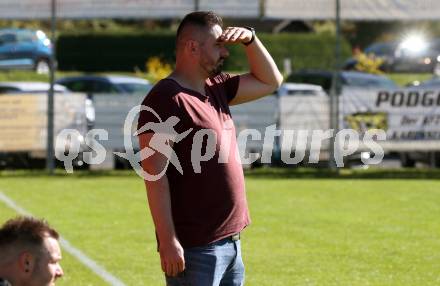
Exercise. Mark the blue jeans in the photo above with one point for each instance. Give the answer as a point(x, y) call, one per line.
point(216, 264)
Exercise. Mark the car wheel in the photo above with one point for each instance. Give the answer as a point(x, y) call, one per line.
point(407, 161)
point(42, 66)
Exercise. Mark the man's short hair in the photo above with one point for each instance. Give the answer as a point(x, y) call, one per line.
point(25, 230)
point(201, 19)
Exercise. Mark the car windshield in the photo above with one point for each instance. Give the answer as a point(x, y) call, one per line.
point(134, 87)
point(372, 82)
point(317, 79)
point(303, 92)
point(381, 49)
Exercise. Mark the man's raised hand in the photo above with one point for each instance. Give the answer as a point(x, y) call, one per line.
point(235, 35)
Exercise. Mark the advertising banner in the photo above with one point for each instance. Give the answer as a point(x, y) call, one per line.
point(23, 119)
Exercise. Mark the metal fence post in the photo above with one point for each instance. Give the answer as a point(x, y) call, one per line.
point(334, 93)
point(50, 154)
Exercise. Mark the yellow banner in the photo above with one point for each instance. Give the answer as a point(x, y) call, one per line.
point(23, 119)
point(22, 122)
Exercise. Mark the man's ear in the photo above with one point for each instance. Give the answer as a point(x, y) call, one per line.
point(26, 263)
point(193, 47)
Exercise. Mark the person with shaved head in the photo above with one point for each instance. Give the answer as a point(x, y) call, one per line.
point(29, 253)
point(200, 209)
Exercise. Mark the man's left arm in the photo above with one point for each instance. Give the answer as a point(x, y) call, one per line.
point(264, 77)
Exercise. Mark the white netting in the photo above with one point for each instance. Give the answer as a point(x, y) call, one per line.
point(82, 9)
point(354, 9)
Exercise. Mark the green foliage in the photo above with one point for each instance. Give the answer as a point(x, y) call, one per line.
point(112, 52)
point(403, 79)
point(85, 26)
point(305, 51)
point(19, 75)
point(130, 51)
point(31, 24)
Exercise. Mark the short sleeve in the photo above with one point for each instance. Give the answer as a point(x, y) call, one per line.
point(230, 84)
point(158, 107)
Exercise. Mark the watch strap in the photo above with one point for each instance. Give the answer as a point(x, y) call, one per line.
point(253, 35)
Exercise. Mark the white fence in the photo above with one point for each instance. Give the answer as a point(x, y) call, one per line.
point(141, 9)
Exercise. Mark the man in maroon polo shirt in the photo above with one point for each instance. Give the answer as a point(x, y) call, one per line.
point(199, 204)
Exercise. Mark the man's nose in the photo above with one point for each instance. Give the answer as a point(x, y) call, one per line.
point(60, 271)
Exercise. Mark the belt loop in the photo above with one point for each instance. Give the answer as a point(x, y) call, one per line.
point(235, 237)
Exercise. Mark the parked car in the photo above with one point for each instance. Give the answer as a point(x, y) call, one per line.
point(303, 89)
point(83, 118)
point(25, 49)
point(385, 51)
point(41, 88)
point(92, 84)
point(347, 78)
point(424, 57)
point(406, 56)
point(29, 87)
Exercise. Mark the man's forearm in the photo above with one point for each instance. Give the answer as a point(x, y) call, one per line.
point(262, 66)
point(160, 206)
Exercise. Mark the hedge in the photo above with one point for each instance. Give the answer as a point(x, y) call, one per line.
point(112, 52)
point(125, 52)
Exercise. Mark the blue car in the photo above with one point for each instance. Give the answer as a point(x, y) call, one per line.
point(25, 49)
point(347, 78)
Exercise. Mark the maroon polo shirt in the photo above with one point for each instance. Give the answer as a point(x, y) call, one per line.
point(209, 205)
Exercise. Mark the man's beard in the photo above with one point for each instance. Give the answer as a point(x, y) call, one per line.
point(217, 69)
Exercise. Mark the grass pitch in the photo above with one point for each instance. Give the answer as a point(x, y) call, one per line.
point(305, 230)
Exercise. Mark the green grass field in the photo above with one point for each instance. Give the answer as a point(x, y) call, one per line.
point(305, 230)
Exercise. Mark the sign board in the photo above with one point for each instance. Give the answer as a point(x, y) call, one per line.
point(23, 119)
point(410, 118)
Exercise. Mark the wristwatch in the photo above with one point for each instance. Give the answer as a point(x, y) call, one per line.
point(253, 35)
